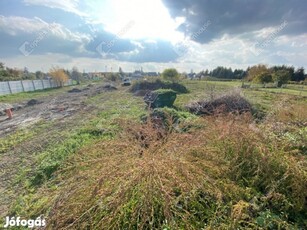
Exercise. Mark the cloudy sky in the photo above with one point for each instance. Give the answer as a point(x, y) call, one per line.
point(152, 34)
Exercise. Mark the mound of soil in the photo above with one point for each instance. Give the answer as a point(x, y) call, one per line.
point(33, 102)
point(109, 87)
point(74, 90)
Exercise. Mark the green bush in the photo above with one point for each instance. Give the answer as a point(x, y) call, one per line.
point(146, 86)
point(160, 98)
point(170, 75)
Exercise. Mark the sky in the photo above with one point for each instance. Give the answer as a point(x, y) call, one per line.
point(152, 34)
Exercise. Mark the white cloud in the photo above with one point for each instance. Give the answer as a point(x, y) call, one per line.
point(66, 5)
point(235, 52)
point(151, 19)
point(15, 26)
point(44, 63)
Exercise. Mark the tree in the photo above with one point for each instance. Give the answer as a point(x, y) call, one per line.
point(222, 72)
point(290, 69)
point(299, 75)
point(170, 75)
point(58, 75)
point(263, 77)
point(39, 74)
point(76, 75)
point(239, 73)
point(281, 77)
point(255, 72)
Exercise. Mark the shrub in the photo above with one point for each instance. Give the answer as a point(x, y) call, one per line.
point(59, 76)
point(170, 75)
point(112, 77)
point(160, 98)
point(264, 77)
point(140, 88)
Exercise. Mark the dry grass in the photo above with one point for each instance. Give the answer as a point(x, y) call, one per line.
point(224, 173)
point(131, 184)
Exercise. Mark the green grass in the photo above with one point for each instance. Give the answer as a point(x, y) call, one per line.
point(296, 92)
point(21, 136)
point(18, 97)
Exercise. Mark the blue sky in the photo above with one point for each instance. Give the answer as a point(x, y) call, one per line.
point(152, 34)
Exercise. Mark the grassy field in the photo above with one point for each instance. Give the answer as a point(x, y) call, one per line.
point(106, 169)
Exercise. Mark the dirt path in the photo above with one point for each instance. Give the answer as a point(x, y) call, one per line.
point(65, 110)
point(61, 106)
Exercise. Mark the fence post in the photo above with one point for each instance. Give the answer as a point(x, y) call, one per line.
point(33, 85)
point(23, 88)
point(8, 83)
point(43, 83)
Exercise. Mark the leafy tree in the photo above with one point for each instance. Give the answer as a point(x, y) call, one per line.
point(256, 71)
point(290, 69)
point(299, 75)
point(1, 66)
point(58, 75)
point(76, 75)
point(170, 75)
point(39, 74)
point(222, 72)
point(9, 74)
point(263, 77)
point(281, 77)
point(239, 74)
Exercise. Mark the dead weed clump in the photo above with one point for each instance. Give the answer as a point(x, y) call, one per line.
point(229, 103)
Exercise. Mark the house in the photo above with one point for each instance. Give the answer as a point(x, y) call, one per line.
point(191, 76)
point(95, 75)
point(138, 74)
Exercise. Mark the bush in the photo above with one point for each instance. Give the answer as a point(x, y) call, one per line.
point(160, 98)
point(264, 77)
point(140, 88)
point(59, 76)
point(112, 77)
point(170, 75)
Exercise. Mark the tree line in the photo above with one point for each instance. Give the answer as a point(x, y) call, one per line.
point(58, 74)
point(258, 73)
